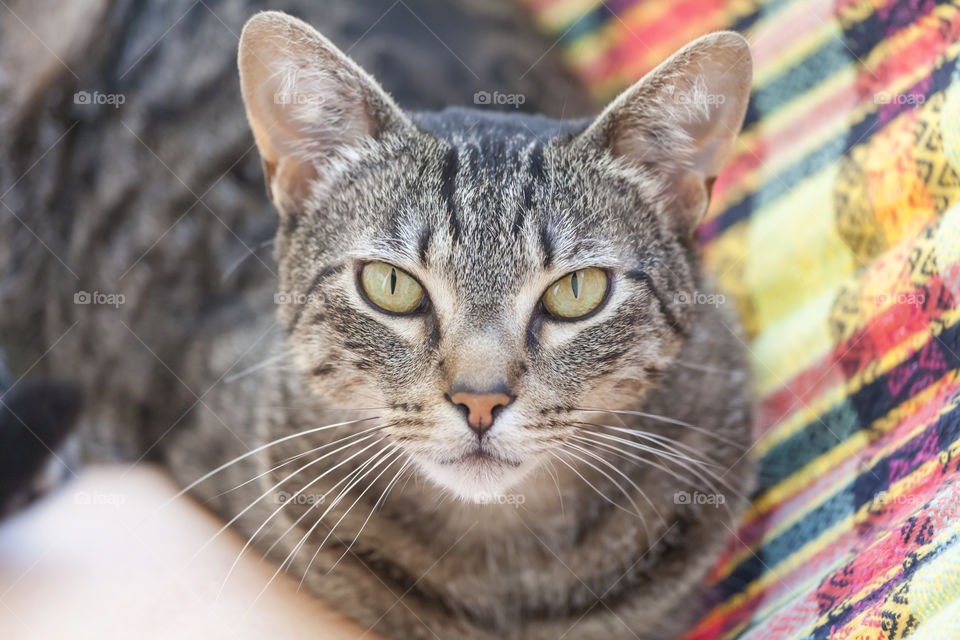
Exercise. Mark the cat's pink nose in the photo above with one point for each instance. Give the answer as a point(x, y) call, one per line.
point(481, 408)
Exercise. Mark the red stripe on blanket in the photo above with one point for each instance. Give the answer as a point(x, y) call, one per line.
point(882, 333)
point(641, 45)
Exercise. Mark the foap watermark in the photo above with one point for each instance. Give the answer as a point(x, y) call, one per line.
point(286, 297)
point(96, 498)
point(699, 298)
point(911, 298)
point(700, 99)
point(884, 97)
point(699, 498)
point(307, 499)
point(96, 97)
point(287, 93)
point(496, 98)
point(513, 499)
point(697, 95)
point(882, 498)
point(285, 98)
point(99, 298)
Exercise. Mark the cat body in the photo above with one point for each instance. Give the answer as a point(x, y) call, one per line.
point(530, 561)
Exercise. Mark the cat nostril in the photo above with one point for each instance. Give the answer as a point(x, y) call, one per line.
point(481, 408)
point(462, 407)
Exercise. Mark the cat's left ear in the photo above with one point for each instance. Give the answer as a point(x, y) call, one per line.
point(309, 105)
point(681, 119)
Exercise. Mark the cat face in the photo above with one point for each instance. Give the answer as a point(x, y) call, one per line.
point(482, 279)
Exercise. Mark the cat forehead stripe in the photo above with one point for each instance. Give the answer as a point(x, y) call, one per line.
point(493, 163)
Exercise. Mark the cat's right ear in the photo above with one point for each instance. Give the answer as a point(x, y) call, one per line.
point(308, 104)
point(679, 122)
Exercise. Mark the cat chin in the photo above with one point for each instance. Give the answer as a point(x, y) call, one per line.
point(479, 482)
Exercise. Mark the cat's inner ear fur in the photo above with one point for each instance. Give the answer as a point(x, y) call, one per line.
point(308, 104)
point(680, 121)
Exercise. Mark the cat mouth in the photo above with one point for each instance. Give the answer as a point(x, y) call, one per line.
point(481, 456)
point(477, 473)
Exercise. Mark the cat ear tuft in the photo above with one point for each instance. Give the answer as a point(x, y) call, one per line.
point(308, 104)
point(681, 120)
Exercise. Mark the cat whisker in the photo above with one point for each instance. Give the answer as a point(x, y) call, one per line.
point(668, 420)
point(277, 485)
point(598, 492)
point(380, 457)
point(297, 457)
point(634, 457)
point(656, 450)
point(257, 367)
point(346, 480)
point(672, 444)
point(677, 459)
point(376, 506)
point(629, 480)
point(705, 368)
point(252, 452)
point(658, 439)
point(626, 455)
point(345, 513)
point(246, 254)
point(699, 466)
point(346, 490)
point(552, 472)
point(353, 473)
point(288, 501)
point(650, 434)
point(407, 481)
point(662, 441)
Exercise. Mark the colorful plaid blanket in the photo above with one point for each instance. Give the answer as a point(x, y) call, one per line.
point(836, 229)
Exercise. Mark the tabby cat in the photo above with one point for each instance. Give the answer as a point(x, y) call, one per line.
point(481, 398)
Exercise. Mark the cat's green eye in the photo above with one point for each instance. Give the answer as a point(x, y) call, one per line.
point(577, 293)
point(390, 288)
